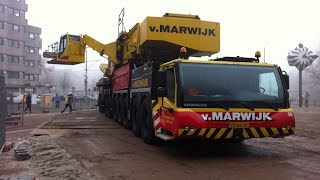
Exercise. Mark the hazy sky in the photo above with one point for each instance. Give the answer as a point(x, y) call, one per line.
point(246, 25)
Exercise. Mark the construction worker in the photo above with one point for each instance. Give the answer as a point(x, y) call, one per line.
point(306, 99)
point(183, 53)
point(57, 99)
point(28, 102)
point(68, 103)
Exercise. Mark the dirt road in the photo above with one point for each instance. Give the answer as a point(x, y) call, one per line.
point(107, 151)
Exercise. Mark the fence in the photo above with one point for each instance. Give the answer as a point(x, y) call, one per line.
point(78, 104)
point(3, 111)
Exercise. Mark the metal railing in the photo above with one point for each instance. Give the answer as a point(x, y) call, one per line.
point(3, 111)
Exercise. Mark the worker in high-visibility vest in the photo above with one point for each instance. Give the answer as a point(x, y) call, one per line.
point(68, 103)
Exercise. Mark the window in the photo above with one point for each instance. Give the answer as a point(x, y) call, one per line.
point(31, 77)
point(14, 27)
point(1, 25)
point(257, 86)
point(10, 11)
point(30, 49)
point(13, 12)
point(268, 84)
point(74, 38)
point(13, 43)
point(13, 75)
point(170, 85)
point(16, 12)
point(1, 8)
point(62, 44)
point(31, 36)
point(1, 57)
point(30, 63)
point(1, 40)
point(13, 59)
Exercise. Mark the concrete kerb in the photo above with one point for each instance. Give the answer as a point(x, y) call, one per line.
point(315, 110)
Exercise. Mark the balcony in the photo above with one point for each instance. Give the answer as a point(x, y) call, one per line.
point(11, 50)
point(15, 35)
point(32, 70)
point(34, 56)
point(18, 20)
point(14, 82)
point(21, 5)
point(33, 29)
point(33, 42)
point(14, 67)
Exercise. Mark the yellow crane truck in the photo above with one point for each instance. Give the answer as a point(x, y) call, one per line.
point(150, 88)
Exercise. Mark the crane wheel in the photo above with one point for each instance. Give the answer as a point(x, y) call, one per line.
point(101, 109)
point(107, 107)
point(120, 110)
point(107, 110)
point(146, 123)
point(135, 116)
point(114, 109)
point(126, 121)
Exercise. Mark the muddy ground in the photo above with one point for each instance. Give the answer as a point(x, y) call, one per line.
point(88, 146)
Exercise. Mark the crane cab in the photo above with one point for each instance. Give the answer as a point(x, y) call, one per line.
point(69, 50)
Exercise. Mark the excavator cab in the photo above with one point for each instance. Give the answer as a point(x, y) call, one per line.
point(69, 50)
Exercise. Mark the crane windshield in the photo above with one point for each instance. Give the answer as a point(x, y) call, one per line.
point(62, 43)
point(67, 39)
point(231, 86)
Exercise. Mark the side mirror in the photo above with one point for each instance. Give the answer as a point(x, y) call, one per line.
point(286, 79)
point(161, 79)
point(162, 92)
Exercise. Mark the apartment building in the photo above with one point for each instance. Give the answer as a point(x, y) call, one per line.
point(19, 47)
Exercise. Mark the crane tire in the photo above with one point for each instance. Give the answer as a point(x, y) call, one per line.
point(126, 121)
point(135, 116)
point(115, 109)
point(147, 128)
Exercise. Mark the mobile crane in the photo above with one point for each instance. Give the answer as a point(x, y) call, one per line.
point(148, 88)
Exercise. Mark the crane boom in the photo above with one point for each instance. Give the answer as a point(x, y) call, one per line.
point(154, 39)
point(103, 49)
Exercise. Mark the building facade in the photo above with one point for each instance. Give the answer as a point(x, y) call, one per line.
point(20, 46)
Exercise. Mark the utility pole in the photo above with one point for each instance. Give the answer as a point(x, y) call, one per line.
point(86, 73)
point(86, 77)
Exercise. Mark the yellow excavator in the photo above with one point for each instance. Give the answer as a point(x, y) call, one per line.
point(154, 87)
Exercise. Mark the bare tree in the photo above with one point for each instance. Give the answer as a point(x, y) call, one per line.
point(314, 73)
point(64, 80)
point(312, 81)
point(46, 73)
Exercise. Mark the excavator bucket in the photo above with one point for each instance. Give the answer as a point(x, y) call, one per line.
point(69, 51)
